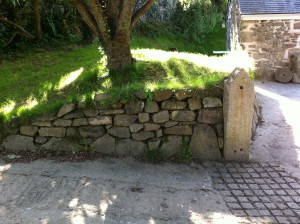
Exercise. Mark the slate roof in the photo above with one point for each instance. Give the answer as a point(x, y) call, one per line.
point(254, 7)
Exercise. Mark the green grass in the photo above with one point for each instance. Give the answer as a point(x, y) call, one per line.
point(212, 42)
point(40, 82)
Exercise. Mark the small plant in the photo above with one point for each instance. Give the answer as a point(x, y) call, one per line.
point(185, 153)
point(149, 95)
point(89, 101)
point(154, 156)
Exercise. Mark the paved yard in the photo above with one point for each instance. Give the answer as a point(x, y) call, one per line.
point(266, 190)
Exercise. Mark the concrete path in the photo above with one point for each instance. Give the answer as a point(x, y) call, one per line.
point(109, 191)
point(267, 190)
point(278, 138)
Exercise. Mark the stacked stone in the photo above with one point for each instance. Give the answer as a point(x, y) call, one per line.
point(271, 43)
point(131, 128)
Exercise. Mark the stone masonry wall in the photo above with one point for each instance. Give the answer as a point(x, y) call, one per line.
point(271, 43)
point(166, 122)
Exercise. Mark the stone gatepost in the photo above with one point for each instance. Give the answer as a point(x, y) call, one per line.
point(295, 67)
point(238, 114)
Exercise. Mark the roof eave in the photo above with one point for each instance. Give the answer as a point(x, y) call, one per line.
point(270, 16)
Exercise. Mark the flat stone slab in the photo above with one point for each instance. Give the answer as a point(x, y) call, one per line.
point(91, 131)
point(162, 95)
point(62, 123)
point(100, 120)
point(53, 132)
point(179, 130)
point(129, 147)
point(144, 135)
point(61, 144)
point(134, 107)
point(67, 108)
point(125, 120)
point(184, 115)
point(171, 105)
point(105, 144)
point(18, 142)
point(211, 116)
point(120, 132)
point(171, 146)
point(161, 117)
point(204, 143)
point(151, 107)
point(209, 102)
point(28, 130)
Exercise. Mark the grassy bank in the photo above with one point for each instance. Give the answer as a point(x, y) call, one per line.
point(40, 82)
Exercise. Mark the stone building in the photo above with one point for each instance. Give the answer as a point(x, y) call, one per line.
point(269, 30)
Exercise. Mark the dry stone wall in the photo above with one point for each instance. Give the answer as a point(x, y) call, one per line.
point(271, 43)
point(166, 122)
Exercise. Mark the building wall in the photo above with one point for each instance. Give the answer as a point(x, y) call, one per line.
point(271, 43)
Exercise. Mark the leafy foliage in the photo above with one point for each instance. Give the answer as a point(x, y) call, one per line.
point(195, 19)
point(59, 21)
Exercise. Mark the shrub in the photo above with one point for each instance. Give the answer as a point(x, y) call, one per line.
point(196, 18)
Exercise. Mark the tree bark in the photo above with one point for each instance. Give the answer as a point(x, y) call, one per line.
point(112, 21)
point(22, 32)
point(86, 15)
point(118, 53)
point(37, 19)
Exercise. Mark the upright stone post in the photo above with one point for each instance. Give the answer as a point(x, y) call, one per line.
point(238, 111)
point(295, 67)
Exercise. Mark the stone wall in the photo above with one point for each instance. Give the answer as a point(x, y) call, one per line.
point(168, 121)
point(271, 43)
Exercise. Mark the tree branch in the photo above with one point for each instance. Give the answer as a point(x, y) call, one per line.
point(10, 40)
point(124, 22)
point(98, 14)
point(86, 15)
point(140, 12)
point(22, 32)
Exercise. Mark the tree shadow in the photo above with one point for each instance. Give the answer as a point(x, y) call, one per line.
point(109, 191)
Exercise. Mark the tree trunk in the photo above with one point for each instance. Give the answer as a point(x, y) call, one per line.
point(37, 20)
point(118, 53)
point(112, 22)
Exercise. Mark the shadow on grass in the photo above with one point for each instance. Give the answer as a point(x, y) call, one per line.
point(42, 82)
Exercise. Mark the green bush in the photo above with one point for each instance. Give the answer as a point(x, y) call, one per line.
point(59, 21)
point(149, 29)
point(196, 18)
point(189, 20)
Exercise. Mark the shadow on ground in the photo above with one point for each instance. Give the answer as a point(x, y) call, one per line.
point(109, 191)
point(278, 137)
